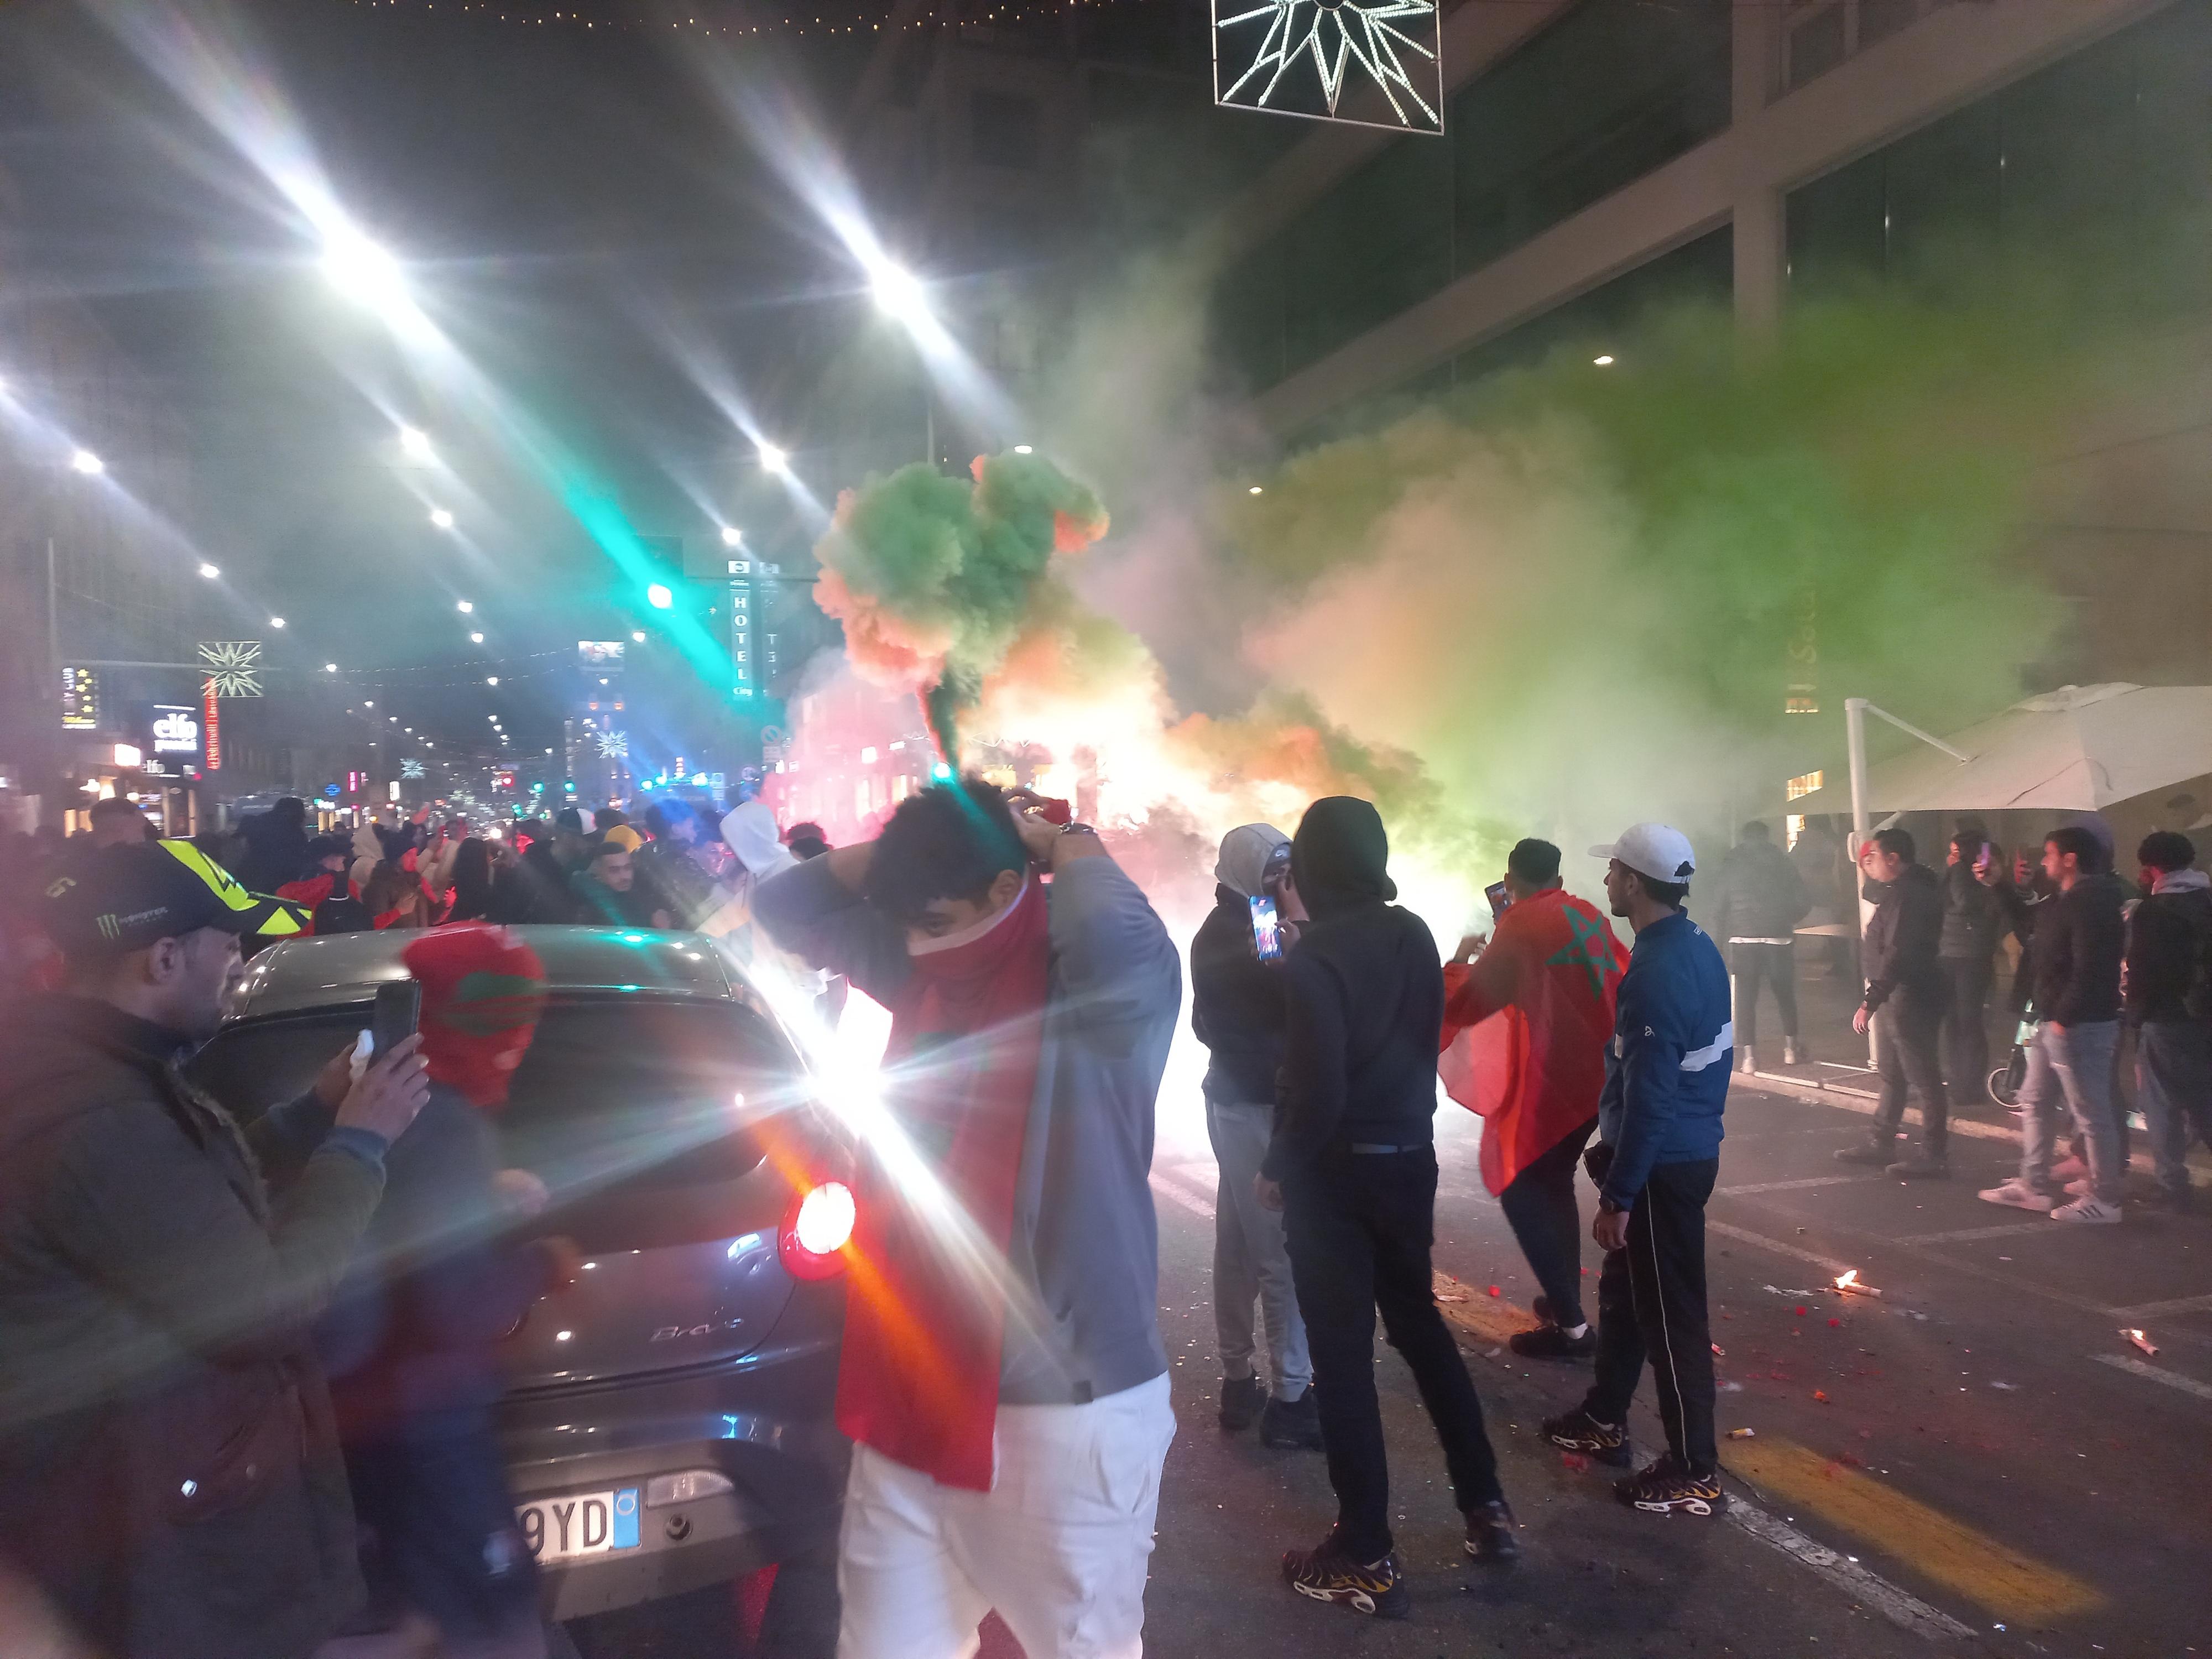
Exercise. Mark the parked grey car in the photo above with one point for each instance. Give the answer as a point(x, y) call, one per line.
point(667, 1422)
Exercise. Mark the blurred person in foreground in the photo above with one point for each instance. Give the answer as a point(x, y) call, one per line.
point(1527, 1018)
point(409, 1343)
point(1759, 901)
point(1007, 1387)
point(2080, 942)
point(1352, 1166)
point(1904, 985)
point(2168, 982)
point(1236, 1010)
point(1657, 1156)
point(168, 1471)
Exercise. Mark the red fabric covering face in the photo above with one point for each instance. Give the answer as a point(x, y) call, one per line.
point(481, 995)
point(1526, 1026)
point(919, 1380)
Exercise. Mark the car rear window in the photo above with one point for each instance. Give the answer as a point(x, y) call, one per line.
point(615, 1091)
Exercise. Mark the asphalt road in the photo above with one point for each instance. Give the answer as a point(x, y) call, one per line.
point(1974, 1461)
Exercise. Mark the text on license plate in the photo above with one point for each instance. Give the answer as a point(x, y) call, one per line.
point(583, 1523)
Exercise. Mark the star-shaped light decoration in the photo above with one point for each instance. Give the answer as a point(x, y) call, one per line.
point(614, 745)
point(1291, 57)
point(410, 768)
point(233, 667)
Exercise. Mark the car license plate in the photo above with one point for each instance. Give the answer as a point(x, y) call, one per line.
point(582, 1523)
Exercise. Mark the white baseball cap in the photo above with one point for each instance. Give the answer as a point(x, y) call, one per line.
point(1655, 850)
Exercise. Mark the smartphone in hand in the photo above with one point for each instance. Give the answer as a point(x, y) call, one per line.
point(1266, 930)
point(1500, 900)
point(398, 1013)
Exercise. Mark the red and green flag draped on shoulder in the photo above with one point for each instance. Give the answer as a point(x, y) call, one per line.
point(1526, 1025)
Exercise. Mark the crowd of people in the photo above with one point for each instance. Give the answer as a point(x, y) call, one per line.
point(209, 1324)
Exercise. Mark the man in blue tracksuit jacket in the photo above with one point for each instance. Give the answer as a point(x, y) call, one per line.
point(1659, 1126)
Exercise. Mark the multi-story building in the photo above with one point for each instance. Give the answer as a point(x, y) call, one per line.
point(1601, 155)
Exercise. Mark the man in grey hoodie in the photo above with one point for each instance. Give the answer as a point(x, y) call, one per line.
point(1031, 1491)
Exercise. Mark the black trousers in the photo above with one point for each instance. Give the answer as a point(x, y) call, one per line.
point(1651, 1306)
point(1768, 965)
point(1359, 1228)
point(1905, 1036)
point(1540, 1206)
point(1966, 1028)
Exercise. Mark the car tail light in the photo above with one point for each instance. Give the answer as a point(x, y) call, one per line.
point(816, 1230)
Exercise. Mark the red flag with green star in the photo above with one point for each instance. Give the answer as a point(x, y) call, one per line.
point(1525, 1028)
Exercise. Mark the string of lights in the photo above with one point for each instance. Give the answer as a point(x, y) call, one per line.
point(611, 20)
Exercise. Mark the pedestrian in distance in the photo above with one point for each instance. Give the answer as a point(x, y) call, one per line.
point(1546, 978)
point(1352, 1165)
point(1237, 1010)
point(1006, 1387)
point(2080, 944)
point(1905, 986)
point(1658, 1153)
point(1759, 900)
point(1978, 911)
point(169, 1476)
point(2167, 979)
point(275, 846)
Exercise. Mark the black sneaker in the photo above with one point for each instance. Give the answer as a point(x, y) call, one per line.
point(1920, 1167)
point(1578, 1431)
point(1490, 1537)
point(1326, 1575)
point(1242, 1400)
point(1292, 1424)
point(1879, 1153)
point(1552, 1342)
point(1666, 1488)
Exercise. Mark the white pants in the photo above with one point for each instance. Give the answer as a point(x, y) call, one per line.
point(1059, 1546)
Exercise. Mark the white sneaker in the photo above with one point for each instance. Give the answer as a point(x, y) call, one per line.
point(2089, 1212)
point(2017, 1195)
point(1790, 1054)
point(1746, 1061)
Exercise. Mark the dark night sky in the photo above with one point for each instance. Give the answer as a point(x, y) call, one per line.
point(550, 188)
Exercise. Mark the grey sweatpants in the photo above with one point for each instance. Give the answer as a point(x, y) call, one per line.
point(1249, 1262)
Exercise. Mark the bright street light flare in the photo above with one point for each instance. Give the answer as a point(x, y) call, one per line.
point(1603, 361)
point(658, 597)
point(466, 606)
point(84, 461)
point(362, 271)
point(416, 443)
point(899, 293)
point(330, 668)
point(208, 570)
point(774, 461)
point(731, 536)
point(276, 622)
point(1022, 449)
point(637, 635)
point(441, 517)
point(491, 679)
point(475, 639)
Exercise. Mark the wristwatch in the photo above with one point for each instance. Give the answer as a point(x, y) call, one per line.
point(1077, 830)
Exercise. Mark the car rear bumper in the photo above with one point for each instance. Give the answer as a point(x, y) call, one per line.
point(764, 1421)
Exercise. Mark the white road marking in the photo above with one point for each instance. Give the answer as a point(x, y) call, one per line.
point(1744, 1234)
point(2015, 1230)
point(1175, 1193)
point(1898, 1607)
point(1787, 1186)
point(2149, 1310)
point(2120, 1362)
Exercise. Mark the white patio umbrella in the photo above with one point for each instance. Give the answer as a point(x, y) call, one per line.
point(2077, 749)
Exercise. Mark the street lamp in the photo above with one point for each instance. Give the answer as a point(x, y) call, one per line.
point(416, 443)
point(899, 293)
point(475, 639)
point(276, 622)
point(362, 271)
point(658, 597)
point(491, 679)
point(84, 461)
point(637, 636)
point(775, 461)
point(441, 517)
point(208, 570)
point(464, 607)
point(731, 536)
point(330, 668)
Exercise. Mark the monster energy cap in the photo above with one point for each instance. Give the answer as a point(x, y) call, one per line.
point(124, 898)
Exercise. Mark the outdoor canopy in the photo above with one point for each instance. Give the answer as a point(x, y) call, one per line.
point(2077, 749)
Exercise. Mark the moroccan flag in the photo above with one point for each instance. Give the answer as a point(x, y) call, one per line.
point(1525, 1028)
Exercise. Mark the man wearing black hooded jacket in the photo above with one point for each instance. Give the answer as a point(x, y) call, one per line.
point(1352, 1164)
point(1904, 985)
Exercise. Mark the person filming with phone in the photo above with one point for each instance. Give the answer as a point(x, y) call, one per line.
point(1237, 1010)
point(169, 1477)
